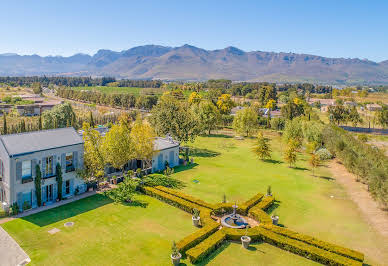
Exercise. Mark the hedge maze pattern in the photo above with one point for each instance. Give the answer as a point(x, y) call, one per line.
point(211, 235)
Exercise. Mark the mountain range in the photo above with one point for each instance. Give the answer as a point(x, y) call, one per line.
point(194, 64)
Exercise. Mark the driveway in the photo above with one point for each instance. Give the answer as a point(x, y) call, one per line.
point(11, 254)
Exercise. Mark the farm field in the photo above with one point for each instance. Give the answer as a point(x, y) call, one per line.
point(107, 89)
point(105, 233)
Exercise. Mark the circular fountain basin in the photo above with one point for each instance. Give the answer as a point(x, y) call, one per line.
point(233, 221)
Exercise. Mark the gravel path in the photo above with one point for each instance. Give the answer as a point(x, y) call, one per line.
point(10, 252)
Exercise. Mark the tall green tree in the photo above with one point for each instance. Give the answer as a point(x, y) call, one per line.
point(91, 120)
point(290, 154)
point(245, 121)
point(38, 185)
point(174, 117)
point(5, 127)
point(314, 162)
point(207, 115)
point(58, 171)
point(262, 148)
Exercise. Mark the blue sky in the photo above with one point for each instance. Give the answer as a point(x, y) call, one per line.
point(338, 28)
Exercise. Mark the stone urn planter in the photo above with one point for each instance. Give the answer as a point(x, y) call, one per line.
point(245, 241)
point(176, 259)
point(275, 219)
point(196, 220)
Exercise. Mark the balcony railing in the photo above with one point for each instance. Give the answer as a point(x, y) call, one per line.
point(27, 179)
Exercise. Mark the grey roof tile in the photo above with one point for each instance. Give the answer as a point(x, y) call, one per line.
point(28, 142)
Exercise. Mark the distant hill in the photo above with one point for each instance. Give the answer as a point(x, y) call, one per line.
point(191, 63)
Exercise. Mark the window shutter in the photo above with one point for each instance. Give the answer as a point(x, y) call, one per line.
point(75, 159)
point(18, 171)
point(33, 168)
point(44, 198)
point(72, 186)
point(63, 161)
point(55, 192)
point(63, 188)
point(54, 164)
point(44, 167)
point(33, 198)
point(20, 200)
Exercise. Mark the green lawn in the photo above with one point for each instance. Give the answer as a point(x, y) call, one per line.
point(109, 234)
point(317, 206)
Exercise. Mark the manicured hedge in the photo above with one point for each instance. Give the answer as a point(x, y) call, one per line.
point(259, 215)
point(315, 242)
point(265, 203)
point(236, 234)
point(198, 236)
point(305, 250)
point(200, 251)
point(185, 197)
point(251, 202)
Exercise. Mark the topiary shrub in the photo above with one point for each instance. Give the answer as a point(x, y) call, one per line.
point(324, 154)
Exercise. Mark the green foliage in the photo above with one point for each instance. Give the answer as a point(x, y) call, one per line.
point(168, 171)
point(292, 110)
point(171, 116)
point(382, 116)
point(26, 206)
point(14, 208)
point(352, 254)
point(245, 121)
point(290, 155)
point(174, 250)
point(155, 180)
point(58, 117)
point(293, 131)
point(369, 164)
point(58, 170)
point(37, 181)
point(195, 213)
point(305, 250)
point(278, 123)
point(124, 191)
point(197, 237)
point(363, 138)
point(261, 147)
point(203, 249)
point(207, 115)
point(324, 154)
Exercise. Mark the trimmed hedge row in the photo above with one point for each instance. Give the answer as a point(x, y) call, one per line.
point(305, 250)
point(251, 202)
point(259, 215)
point(197, 237)
point(200, 251)
point(352, 254)
point(265, 203)
point(236, 234)
point(185, 197)
point(179, 203)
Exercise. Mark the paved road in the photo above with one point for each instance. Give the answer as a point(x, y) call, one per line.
point(11, 254)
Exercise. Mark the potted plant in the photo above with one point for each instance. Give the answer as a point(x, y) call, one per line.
point(275, 219)
point(175, 255)
point(269, 191)
point(196, 217)
point(245, 240)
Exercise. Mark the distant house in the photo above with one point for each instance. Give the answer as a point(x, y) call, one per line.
point(373, 107)
point(36, 108)
point(5, 108)
point(234, 110)
point(351, 104)
point(325, 103)
point(21, 153)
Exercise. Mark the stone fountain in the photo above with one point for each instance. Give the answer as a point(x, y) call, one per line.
point(234, 220)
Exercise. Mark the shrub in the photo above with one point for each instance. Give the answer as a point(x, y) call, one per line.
point(363, 138)
point(26, 205)
point(352, 254)
point(265, 203)
point(3, 213)
point(200, 251)
point(324, 154)
point(278, 123)
point(124, 191)
point(161, 180)
point(14, 209)
point(305, 250)
point(259, 215)
point(185, 197)
point(197, 237)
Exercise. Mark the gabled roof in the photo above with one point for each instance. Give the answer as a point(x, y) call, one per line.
point(24, 143)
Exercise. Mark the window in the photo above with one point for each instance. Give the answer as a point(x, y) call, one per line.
point(49, 166)
point(67, 187)
point(1, 170)
point(69, 162)
point(26, 169)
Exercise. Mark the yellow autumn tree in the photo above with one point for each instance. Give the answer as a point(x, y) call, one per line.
point(195, 97)
point(93, 155)
point(225, 103)
point(143, 135)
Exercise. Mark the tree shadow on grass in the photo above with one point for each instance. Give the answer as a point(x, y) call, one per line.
point(328, 178)
point(273, 207)
point(181, 168)
point(272, 161)
point(300, 168)
point(205, 153)
point(219, 136)
point(68, 210)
